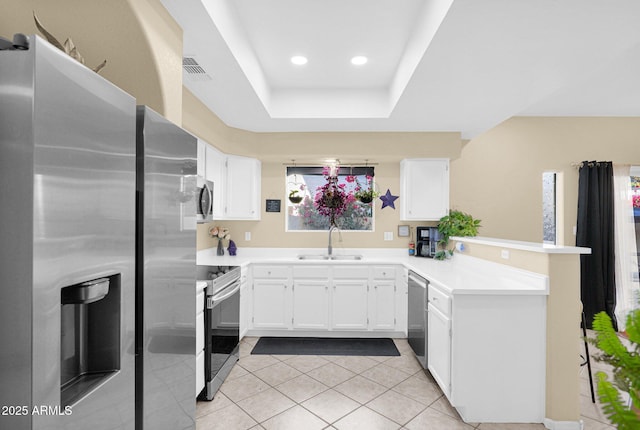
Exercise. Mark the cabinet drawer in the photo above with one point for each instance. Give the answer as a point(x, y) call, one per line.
point(350, 272)
point(270, 272)
point(384, 272)
point(440, 301)
point(306, 272)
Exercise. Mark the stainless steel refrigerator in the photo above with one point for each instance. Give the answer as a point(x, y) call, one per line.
point(67, 244)
point(165, 274)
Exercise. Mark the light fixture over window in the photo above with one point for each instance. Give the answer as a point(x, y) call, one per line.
point(299, 60)
point(359, 60)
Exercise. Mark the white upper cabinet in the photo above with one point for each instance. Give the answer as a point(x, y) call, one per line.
point(236, 183)
point(243, 188)
point(424, 189)
point(215, 172)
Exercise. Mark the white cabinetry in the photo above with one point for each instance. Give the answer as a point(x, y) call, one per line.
point(236, 183)
point(439, 338)
point(350, 298)
point(487, 353)
point(382, 298)
point(271, 297)
point(243, 188)
point(215, 172)
point(310, 304)
point(327, 298)
point(200, 287)
point(424, 189)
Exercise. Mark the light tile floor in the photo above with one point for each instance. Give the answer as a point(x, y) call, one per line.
point(285, 392)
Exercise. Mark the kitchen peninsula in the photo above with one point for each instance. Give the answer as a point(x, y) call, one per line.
point(500, 312)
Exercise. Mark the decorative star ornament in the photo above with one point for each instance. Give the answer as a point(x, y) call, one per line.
point(388, 199)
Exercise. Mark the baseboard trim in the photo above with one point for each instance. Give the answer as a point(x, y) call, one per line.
point(563, 425)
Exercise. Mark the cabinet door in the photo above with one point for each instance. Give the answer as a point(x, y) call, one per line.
point(349, 304)
point(439, 348)
point(243, 188)
point(271, 304)
point(311, 304)
point(424, 187)
point(382, 313)
point(215, 171)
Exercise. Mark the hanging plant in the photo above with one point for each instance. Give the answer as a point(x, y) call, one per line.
point(331, 199)
point(364, 194)
point(294, 197)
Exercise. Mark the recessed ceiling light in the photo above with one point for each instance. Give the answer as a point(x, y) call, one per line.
point(299, 60)
point(359, 60)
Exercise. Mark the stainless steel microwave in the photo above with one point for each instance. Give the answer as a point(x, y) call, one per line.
point(204, 200)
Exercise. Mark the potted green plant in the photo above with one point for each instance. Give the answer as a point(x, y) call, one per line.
point(457, 223)
point(626, 370)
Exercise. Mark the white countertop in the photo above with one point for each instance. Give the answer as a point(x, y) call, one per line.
point(543, 248)
point(461, 274)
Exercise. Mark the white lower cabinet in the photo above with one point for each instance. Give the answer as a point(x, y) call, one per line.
point(311, 304)
point(349, 305)
point(439, 351)
point(487, 353)
point(383, 305)
point(327, 298)
point(271, 304)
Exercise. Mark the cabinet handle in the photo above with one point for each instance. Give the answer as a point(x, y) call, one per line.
point(384, 273)
point(435, 299)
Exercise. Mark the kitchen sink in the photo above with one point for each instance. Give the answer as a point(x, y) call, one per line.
point(329, 257)
point(312, 257)
point(346, 257)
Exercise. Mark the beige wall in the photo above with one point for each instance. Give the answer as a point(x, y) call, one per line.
point(276, 149)
point(498, 178)
point(140, 41)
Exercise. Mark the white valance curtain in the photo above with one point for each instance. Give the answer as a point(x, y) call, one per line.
point(626, 261)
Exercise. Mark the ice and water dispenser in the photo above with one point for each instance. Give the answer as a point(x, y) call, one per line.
point(89, 337)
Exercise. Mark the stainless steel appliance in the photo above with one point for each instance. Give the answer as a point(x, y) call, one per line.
point(427, 241)
point(165, 275)
point(67, 168)
point(417, 316)
point(204, 200)
point(222, 324)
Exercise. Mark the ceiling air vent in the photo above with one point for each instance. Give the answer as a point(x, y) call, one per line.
point(194, 71)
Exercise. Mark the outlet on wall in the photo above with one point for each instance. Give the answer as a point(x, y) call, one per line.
point(388, 235)
point(504, 254)
point(247, 236)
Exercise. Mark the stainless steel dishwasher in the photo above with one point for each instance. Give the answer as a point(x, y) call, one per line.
point(417, 316)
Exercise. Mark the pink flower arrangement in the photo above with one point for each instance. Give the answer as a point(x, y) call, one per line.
point(636, 200)
point(331, 199)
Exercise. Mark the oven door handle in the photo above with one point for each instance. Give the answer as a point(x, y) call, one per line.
point(213, 300)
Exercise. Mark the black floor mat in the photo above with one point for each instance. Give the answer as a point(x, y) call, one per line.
point(325, 346)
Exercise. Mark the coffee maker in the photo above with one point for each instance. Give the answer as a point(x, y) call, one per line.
point(427, 241)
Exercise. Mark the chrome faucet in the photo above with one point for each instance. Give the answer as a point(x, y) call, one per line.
point(330, 248)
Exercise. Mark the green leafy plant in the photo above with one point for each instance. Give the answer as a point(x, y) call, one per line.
point(626, 370)
point(457, 223)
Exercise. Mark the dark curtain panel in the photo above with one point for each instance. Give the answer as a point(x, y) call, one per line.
point(595, 230)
